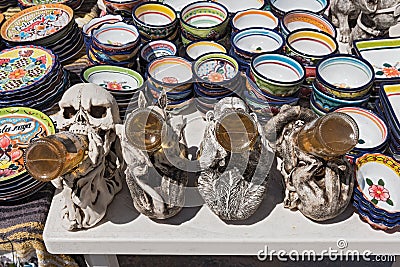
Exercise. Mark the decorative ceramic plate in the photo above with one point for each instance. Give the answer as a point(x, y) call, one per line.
point(384, 56)
point(22, 66)
point(373, 131)
point(36, 23)
point(18, 127)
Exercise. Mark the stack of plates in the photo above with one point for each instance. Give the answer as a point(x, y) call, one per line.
point(51, 26)
point(124, 84)
point(19, 127)
point(4, 4)
point(1, 22)
point(31, 76)
point(74, 4)
point(389, 107)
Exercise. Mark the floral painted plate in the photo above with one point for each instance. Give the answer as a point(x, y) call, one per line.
point(18, 127)
point(36, 23)
point(378, 178)
point(23, 66)
point(384, 56)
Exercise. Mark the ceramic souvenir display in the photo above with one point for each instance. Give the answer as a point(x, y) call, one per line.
point(302, 19)
point(373, 132)
point(204, 20)
point(344, 76)
point(277, 74)
point(246, 44)
point(199, 48)
point(155, 49)
point(375, 197)
point(121, 7)
point(254, 18)
point(96, 23)
point(74, 4)
point(31, 76)
point(235, 6)
point(19, 127)
point(124, 84)
point(50, 25)
point(281, 7)
point(155, 20)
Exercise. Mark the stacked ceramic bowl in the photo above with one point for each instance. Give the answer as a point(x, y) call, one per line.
point(156, 21)
point(173, 75)
point(281, 7)
point(341, 81)
point(375, 193)
point(74, 4)
point(217, 76)
point(121, 7)
point(247, 43)
point(254, 18)
point(124, 84)
point(155, 49)
point(20, 126)
point(50, 25)
point(31, 76)
point(196, 49)
point(308, 47)
point(96, 23)
point(204, 21)
point(272, 81)
point(114, 44)
point(387, 106)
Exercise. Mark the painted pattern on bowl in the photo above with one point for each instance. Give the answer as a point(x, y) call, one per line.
point(216, 68)
point(301, 19)
point(157, 49)
point(116, 35)
point(254, 18)
point(36, 23)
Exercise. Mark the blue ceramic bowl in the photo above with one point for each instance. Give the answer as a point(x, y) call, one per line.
point(171, 95)
point(314, 107)
point(250, 42)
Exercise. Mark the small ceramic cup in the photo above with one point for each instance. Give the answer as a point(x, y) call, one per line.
point(344, 76)
point(281, 7)
point(199, 48)
point(277, 74)
point(170, 73)
point(250, 42)
point(204, 20)
point(216, 70)
point(309, 47)
point(155, 20)
point(302, 19)
point(155, 49)
point(254, 18)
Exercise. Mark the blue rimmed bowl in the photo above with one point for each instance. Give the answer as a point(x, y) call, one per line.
point(344, 76)
point(250, 42)
point(116, 37)
point(198, 48)
point(281, 7)
point(252, 18)
point(277, 74)
point(96, 23)
point(155, 49)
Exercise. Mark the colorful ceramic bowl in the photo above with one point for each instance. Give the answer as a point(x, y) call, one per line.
point(302, 19)
point(155, 20)
point(328, 103)
point(344, 76)
point(204, 20)
point(186, 40)
point(315, 108)
point(23, 27)
point(113, 78)
point(277, 74)
point(155, 49)
point(254, 18)
point(96, 23)
point(170, 73)
point(235, 6)
point(373, 132)
point(199, 48)
point(215, 70)
point(281, 7)
point(121, 7)
point(378, 179)
point(309, 47)
point(250, 42)
point(177, 5)
point(116, 37)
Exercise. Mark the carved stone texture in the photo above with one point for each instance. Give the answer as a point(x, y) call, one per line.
point(90, 110)
point(157, 180)
point(320, 189)
point(233, 185)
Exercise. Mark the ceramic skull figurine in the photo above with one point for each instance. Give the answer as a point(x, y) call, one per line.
point(157, 178)
point(233, 184)
point(320, 189)
point(90, 110)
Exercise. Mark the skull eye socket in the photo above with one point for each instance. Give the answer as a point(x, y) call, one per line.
point(98, 112)
point(69, 112)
